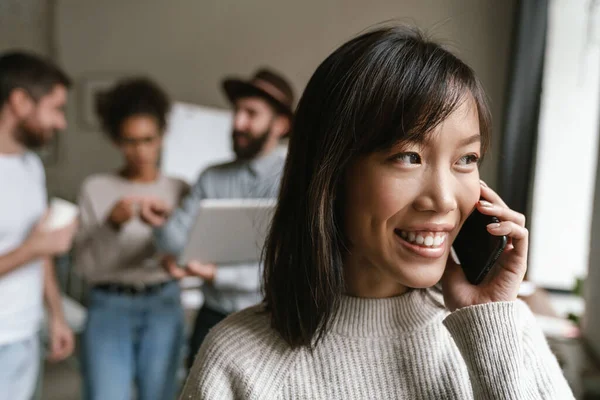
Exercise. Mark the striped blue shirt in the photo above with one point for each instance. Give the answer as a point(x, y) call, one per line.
point(235, 286)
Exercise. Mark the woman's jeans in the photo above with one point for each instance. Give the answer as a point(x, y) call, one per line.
point(133, 340)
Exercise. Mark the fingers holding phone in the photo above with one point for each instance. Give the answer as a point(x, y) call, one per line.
point(511, 223)
point(492, 236)
point(512, 263)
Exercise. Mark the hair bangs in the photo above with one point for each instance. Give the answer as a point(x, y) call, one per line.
point(404, 92)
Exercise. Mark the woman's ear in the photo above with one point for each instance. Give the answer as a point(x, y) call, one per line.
point(281, 126)
point(21, 103)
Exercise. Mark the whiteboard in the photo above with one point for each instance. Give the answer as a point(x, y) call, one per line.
point(196, 138)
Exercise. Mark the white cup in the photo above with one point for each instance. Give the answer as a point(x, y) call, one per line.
point(61, 214)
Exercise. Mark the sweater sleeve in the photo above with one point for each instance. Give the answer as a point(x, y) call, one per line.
point(506, 353)
point(96, 243)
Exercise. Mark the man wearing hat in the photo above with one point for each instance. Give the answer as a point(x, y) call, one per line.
point(262, 116)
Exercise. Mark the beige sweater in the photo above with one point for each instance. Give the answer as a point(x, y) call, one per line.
point(406, 347)
point(127, 256)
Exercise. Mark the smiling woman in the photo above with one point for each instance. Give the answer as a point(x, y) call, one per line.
point(382, 172)
point(405, 204)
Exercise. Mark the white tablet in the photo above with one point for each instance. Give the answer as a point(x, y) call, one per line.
point(229, 231)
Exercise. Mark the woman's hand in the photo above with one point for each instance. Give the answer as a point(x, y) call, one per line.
point(123, 211)
point(154, 212)
point(503, 281)
point(151, 210)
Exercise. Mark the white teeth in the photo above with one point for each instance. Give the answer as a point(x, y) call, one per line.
point(431, 239)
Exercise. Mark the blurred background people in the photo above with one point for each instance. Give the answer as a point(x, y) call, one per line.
point(33, 93)
point(262, 116)
point(135, 324)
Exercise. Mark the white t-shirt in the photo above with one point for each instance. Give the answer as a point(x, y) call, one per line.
point(22, 204)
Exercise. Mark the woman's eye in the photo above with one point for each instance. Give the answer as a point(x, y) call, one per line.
point(408, 158)
point(468, 159)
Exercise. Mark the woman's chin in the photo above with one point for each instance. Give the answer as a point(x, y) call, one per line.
point(422, 278)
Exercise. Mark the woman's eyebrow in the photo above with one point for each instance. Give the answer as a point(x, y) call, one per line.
point(471, 139)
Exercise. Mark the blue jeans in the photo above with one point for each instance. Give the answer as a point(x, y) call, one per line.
point(19, 366)
point(133, 339)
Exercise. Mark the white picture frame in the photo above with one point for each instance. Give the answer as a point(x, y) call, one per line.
point(89, 88)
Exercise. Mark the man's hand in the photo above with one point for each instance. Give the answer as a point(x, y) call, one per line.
point(170, 265)
point(62, 341)
point(205, 271)
point(154, 212)
point(194, 268)
point(44, 243)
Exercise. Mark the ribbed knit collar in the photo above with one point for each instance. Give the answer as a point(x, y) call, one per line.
point(364, 317)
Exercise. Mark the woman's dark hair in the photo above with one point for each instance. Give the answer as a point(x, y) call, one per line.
point(129, 97)
point(384, 87)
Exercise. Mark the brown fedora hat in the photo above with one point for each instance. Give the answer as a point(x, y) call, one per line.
point(266, 84)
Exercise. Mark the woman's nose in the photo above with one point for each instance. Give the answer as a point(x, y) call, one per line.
point(438, 195)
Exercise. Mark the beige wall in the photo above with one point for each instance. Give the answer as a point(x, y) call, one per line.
point(190, 45)
point(25, 24)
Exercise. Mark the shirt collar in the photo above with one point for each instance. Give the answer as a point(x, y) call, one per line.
point(264, 165)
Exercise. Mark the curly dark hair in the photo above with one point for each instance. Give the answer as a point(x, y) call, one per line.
point(129, 97)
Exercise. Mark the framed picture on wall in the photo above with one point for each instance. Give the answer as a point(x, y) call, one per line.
point(88, 91)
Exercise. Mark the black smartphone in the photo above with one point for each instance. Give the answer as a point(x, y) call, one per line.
point(477, 249)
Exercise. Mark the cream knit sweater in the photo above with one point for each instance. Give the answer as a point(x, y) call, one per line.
point(406, 347)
